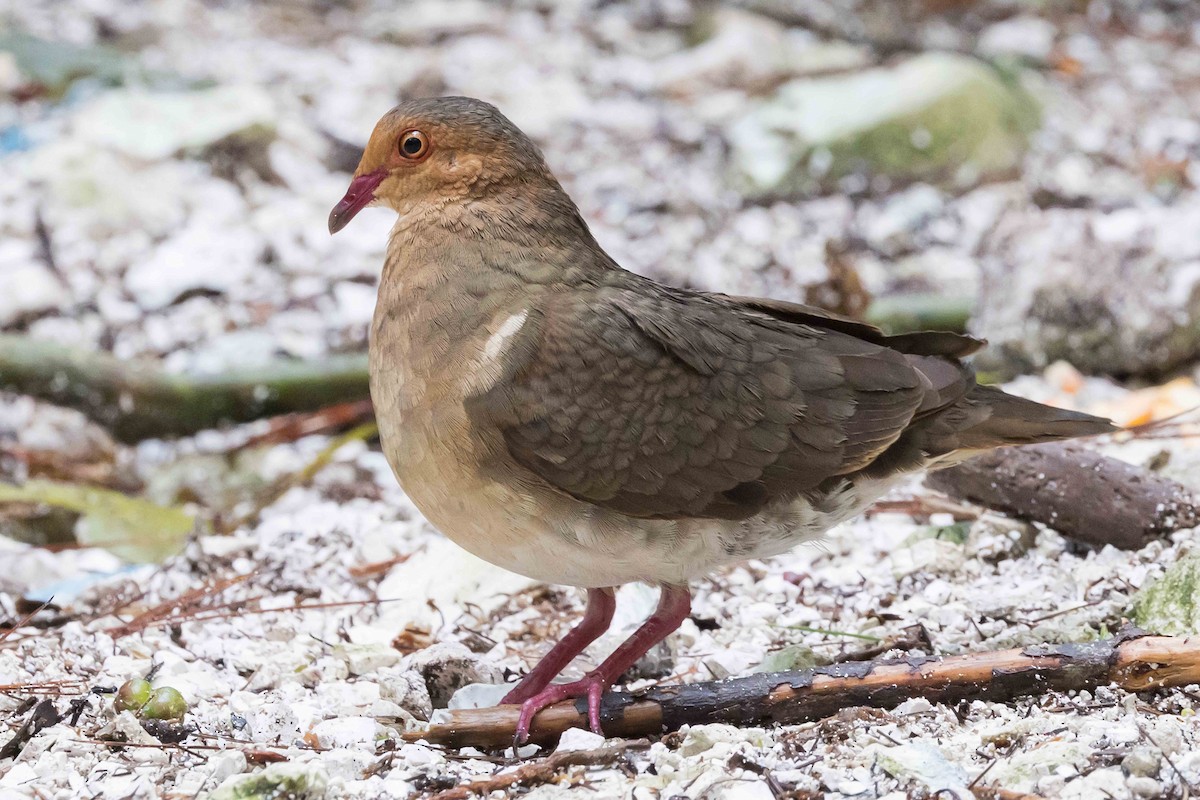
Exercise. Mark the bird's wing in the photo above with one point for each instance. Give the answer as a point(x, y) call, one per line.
point(670, 404)
point(925, 343)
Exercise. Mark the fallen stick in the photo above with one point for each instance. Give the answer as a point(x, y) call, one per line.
point(992, 793)
point(138, 400)
point(544, 770)
point(1134, 662)
point(1078, 492)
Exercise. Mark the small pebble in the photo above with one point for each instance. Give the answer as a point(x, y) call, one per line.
point(1142, 786)
point(1143, 761)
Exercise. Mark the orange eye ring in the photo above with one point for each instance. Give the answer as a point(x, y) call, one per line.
point(413, 145)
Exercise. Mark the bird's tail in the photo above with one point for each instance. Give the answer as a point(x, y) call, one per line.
point(1013, 420)
point(987, 417)
point(983, 419)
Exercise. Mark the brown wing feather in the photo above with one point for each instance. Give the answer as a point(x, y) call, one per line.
point(660, 403)
point(925, 343)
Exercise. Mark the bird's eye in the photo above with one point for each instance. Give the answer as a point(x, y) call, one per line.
point(413, 145)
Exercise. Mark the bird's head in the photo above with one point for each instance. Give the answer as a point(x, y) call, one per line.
point(425, 154)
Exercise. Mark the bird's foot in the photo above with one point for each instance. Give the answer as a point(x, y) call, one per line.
point(533, 692)
point(520, 693)
point(591, 686)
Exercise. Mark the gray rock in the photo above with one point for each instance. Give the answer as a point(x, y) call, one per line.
point(1140, 786)
point(291, 780)
point(793, 656)
point(923, 762)
point(941, 118)
point(1143, 760)
point(738, 49)
point(54, 66)
point(1114, 294)
point(428, 22)
point(362, 659)
point(479, 695)
point(449, 666)
point(932, 555)
point(994, 538)
point(406, 688)
point(1171, 604)
point(155, 125)
point(892, 228)
point(203, 256)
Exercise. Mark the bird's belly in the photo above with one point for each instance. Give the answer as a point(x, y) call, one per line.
point(554, 538)
point(562, 540)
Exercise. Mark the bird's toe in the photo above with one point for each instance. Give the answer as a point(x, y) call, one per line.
point(590, 686)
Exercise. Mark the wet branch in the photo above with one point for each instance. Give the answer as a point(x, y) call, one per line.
point(1080, 493)
point(138, 400)
point(1134, 662)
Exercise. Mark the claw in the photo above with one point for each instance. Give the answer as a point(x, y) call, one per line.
point(590, 686)
point(595, 692)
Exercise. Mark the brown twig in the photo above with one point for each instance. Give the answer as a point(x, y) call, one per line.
point(256, 754)
point(201, 616)
point(1173, 421)
point(1134, 662)
point(542, 771)
point(924, 507)
point(290, 427)
point(7, 631)
point(167, 609)
point(373, 568)
point(992, 793)
point(63, 687)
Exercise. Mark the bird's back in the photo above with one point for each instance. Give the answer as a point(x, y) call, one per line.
point(661, 403)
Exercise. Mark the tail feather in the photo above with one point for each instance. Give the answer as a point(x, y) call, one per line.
point(957, 418)
point(982, 419)
point(1014, 420)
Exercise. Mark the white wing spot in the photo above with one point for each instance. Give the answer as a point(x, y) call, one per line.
point(497, 341)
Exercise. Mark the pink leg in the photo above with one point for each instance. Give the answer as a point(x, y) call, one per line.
point(600, 607)
point(674, 605)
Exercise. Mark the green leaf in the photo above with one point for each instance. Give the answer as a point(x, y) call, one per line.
point(131, 528)
point(955, 533)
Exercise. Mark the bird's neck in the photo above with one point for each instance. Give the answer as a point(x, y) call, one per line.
point(511, 213)
point(453, 269)
point(511, 239)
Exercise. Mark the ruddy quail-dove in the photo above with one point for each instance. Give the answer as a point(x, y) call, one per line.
point(579, 424)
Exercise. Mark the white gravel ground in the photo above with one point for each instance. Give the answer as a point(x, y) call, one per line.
point(330, 688)
point(636, 124)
